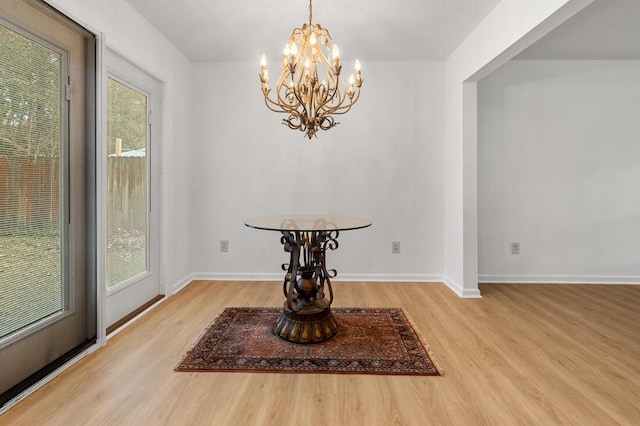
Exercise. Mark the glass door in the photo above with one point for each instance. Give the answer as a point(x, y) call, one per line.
point(32, 230)
point(47, 278)
point(127, 183)
point(132, 181)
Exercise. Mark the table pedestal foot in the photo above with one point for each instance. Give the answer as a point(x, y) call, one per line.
point(308, 325)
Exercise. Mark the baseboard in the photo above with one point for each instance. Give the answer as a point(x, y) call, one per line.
point(176, 287)
point(217, 276)
point(402, 278)
point(240, 276)
point(421, 278)
point(559, 279)
point(425, 278)
point(465, 293)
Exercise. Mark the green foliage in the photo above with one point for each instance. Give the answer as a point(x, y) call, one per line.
point(30, 280)
point(30, 97)
point(31, 94)
point(126, 117)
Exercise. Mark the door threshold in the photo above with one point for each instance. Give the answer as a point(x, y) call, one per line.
point(124, 320)
point(11, 397)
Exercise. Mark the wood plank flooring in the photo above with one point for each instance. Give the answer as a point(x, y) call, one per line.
point(524, 354)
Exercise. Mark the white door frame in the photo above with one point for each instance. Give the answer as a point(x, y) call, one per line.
point(114, 301)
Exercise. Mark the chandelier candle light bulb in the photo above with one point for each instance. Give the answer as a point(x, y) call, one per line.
point(309, 104)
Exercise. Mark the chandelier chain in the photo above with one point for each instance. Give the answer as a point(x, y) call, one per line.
point(310, 11)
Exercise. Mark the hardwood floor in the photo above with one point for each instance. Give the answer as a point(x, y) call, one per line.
point(524, 354)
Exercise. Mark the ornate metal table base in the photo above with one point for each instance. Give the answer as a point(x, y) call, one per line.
point(306, 326)
point(307, 317)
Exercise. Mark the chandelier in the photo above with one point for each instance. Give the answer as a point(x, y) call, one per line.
point(310, 88)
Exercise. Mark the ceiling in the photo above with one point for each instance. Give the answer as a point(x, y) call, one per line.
point(229, 30)
point(395, 30)
point(606, 29)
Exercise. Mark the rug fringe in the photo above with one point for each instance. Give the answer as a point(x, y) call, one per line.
point(423, 341)
point(197, 340)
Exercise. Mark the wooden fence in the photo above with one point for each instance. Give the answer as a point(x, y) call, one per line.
point(126, 193)
point(29, 194)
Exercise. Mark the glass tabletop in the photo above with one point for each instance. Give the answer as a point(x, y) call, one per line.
point(307, 223)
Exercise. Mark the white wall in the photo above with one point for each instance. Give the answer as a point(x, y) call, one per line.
point(223, 164)
point(559, 172)
point(384, 162)
point(512, 26)
point(130, 34)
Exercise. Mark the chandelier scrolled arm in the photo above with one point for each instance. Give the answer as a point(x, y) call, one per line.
point(310, 88)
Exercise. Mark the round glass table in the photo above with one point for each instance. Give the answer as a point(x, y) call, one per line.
point(307, 317)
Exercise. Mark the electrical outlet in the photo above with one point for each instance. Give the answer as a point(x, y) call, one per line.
point(395, 247)
point(515, 248)
point(224, 246)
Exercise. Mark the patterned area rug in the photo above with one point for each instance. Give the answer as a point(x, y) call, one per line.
point(369, 341)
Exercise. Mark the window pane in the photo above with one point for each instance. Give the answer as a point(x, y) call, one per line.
point(126, 183)
point(31, 237)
